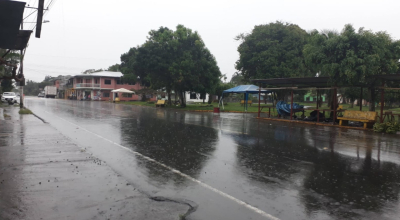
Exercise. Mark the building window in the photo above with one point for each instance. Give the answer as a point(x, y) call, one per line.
point(127, 95)
point(106, 94)
point(118, 81)
point(193, 95)
point(107, 81)
point(96, 81)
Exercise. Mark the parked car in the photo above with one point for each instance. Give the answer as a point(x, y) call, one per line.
point(40, 94)
point(10, 97)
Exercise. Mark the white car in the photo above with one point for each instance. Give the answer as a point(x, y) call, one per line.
point(10, 97)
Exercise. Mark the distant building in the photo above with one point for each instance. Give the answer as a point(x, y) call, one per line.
point(195, 97)
point(98, 86)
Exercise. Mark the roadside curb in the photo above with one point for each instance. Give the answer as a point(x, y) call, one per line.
point(1, 114)
point(314, 123)
point(39, 118)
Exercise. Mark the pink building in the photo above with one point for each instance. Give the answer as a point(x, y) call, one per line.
point(99, 85)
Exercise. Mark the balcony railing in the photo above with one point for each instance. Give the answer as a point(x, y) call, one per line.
point(87, 85)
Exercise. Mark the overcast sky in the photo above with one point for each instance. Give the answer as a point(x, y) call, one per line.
point(92, 34)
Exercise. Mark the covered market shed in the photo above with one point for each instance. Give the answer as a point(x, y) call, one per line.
point(243, 89)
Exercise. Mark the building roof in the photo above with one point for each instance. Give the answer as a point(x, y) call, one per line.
point(101, 74)
point(316, 82)
point(303, 82)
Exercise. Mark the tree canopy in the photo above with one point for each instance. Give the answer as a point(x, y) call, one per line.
point(353, 57)
point(273, 50)
point(8, 69)
point(175, 60)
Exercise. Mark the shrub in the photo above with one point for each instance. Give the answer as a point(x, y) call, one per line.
point(387, 127)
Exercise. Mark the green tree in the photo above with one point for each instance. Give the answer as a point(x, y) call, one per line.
point(172, 60)
point(114, 68)
point(127, 66)
point(273, 50)
point(238, 79)
point(8, 69)
point(31, 87)
point(353, 57)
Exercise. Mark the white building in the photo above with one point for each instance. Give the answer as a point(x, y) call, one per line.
point(195, 97)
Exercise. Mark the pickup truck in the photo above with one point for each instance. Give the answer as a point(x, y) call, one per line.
point(10, 97)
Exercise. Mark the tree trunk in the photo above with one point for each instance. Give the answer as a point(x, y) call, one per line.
point(372, 99)
point(210, 98)
point(351, 103)
point(329, 98)
point(183, 101)
point(176, 94)
point(169, 97)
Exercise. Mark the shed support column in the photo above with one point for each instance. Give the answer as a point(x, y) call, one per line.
point(382, 100)
point(361, 98)
point(291, 107)
point(317, 98)
point(259, 98)
point(334, 104)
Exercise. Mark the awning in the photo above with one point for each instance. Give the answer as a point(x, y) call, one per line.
point(10, 20)
point(122, 90)
point(252, 89)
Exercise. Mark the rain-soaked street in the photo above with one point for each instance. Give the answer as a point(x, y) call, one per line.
point(232, 166)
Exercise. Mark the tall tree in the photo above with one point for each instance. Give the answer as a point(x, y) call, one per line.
point(173, 60)
point(353, 57)
point(128, 60)
point(238, 79)
point(273, 50)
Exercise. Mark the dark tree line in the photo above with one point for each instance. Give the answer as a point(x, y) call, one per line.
point(281, 50)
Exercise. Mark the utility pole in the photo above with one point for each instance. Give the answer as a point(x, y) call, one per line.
point(21, 70)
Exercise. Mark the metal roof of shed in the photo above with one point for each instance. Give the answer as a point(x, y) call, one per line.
point(302, 82)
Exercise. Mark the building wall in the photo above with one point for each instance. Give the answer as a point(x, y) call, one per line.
point(57, 84)
point(106, 88)
point(197, 99)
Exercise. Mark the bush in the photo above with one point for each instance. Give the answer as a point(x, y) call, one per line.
point(387, 127)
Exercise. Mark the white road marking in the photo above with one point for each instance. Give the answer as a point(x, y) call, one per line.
point(240, 202)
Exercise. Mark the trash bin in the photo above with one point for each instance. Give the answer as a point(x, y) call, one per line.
point(216, 110)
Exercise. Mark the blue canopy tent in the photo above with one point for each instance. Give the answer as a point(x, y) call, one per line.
point(246, 89)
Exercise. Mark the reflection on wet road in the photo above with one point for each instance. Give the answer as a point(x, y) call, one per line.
point(284, 170)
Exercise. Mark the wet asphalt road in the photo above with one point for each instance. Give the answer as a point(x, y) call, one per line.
point(234, 166)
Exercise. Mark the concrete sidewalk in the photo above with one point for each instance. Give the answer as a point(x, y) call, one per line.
point(44, 175)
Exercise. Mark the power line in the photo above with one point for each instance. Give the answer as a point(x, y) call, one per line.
point(44, 13)
point(30, 14)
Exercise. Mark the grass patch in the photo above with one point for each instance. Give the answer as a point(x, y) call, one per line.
point(6, 116)
point(25, 111)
